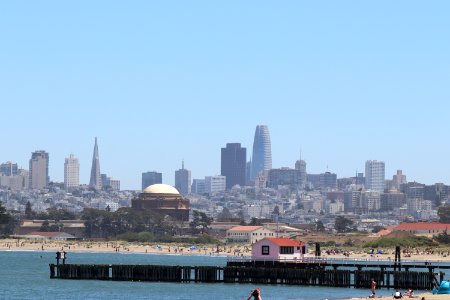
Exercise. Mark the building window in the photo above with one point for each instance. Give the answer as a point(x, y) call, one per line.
point(286, 250)
point(265, 250)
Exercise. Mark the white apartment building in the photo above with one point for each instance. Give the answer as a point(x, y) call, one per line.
point(375, 175)
point(71, 172)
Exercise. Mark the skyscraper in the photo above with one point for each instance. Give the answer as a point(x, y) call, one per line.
point(8, 169)
point(71, 172)
point(233, 164)
point(96, 180)
point(38, 177)
point(149, 178)
point(262, 153)
point(375, 175)
point(301, 166)
point(183, 180)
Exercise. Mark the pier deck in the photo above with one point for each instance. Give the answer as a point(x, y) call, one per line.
point(317, 272)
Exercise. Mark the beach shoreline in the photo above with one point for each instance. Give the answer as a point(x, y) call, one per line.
point(234, 250)
point(424, 296)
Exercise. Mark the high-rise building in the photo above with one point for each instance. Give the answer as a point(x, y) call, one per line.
point(105, 180)
point(183, 180)
point(248, 169)
point(233, 164)
point(17, 182)
point(328, 180)
point(71, 172)
point(38, 176)
point(149, 178)
point(8, 169)
point(96, 180)
point(198, 186)
point(114, 184)
point(262, 152)
point(398, 179)
point(301, 166)
point(375, 176)
point(215, 184)
point(283, 176)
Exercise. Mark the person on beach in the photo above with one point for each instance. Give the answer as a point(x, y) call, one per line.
point(409, 293)
point(256, 294)
point(398, 295)
point(373, 287)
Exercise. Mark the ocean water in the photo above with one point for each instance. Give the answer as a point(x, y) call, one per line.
point(26, 275)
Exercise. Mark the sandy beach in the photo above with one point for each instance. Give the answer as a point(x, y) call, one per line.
point(185, 249)
point(425, 296)
point(118, 246)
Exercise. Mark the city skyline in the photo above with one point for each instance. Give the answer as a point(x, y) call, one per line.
point(158, 83)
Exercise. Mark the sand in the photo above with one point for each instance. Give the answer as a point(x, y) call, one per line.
point(92, 246)
point(425, 296)
point(185, 249)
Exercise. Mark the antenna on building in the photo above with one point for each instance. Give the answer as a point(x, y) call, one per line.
point(182, 164)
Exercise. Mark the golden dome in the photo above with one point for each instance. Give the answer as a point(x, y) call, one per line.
point(161, 189)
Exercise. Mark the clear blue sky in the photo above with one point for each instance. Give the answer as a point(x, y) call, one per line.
point(159, 81)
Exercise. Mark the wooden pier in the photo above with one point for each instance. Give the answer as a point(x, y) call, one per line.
point(312, 276)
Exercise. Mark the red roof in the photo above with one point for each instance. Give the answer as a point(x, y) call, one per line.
point(45, 233)
point(384, 232)
point(245, 228)
point(422, 226)
point(284, 242)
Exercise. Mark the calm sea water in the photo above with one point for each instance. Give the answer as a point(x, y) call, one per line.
point(25, 275)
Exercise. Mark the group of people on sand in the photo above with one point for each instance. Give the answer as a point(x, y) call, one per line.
point(407, 294)
point(397, 295)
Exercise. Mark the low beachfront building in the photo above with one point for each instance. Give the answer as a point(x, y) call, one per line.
point(49, 235)
point(73, 227)
point(278, 249)
point(423, 228)
point(248, 234)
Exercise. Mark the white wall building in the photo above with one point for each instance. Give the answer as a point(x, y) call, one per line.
point(375, 175)
point(248, 234)
point(71, 172)
point(215, 184)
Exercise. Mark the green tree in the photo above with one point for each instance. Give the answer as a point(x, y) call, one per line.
point(225, 215)
point(443, 238)
point(255, 222)
point(29, 213)
point(6, 221)
point(319, 226)
point(276, 210)
point(378, 228)
point(444, 214)
point(54, 227)
point(342, 224)
point(200, 219)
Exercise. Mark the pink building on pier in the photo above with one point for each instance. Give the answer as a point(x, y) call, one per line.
point(278, 249)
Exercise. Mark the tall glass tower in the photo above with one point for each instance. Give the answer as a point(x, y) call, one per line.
point(262, 152)
point(96, 180)
point(233, 163)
